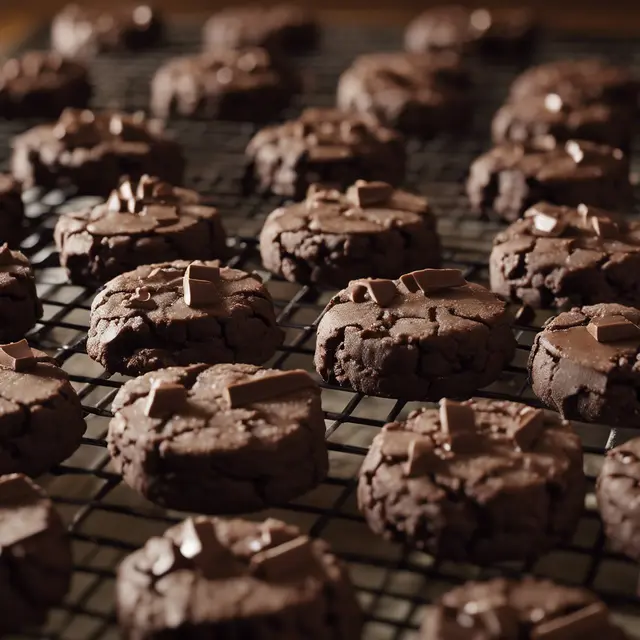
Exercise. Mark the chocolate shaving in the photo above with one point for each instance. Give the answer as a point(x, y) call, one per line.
point(368, 194)
point(17, 356)
point(260, 389)
point(584, 622)
point(612, 329)
point(604, 227)
point(165, 398)
point(200, 542)
point(529, 428)
point(575, 151)
point(286, 561)
point(146, 186)
point(525, 315)
point(428, 280)
point(141, 299)
point(126, 190)
point(114, 203)
point(167, 557)
point(382, 292)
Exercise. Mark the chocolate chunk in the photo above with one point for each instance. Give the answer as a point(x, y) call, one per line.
point(456, 418)
point(396, 444)
point(612, 329)
point(529, 428)
point(203, 272)
point(604, 228)
point(17, 356)
point(381, 291)
point(201, 545)
point(429, 280)
point(575, 151)
point(6, 257)
point(421, 457)
point(409, 282)
point(358, 293)
point(547, 225)
point(578, 623)
point(164, 399)
point(164, 214)
point(286, 561)
point(368, 194)
point(166, 557)
point(260, 389)
point(199, 284)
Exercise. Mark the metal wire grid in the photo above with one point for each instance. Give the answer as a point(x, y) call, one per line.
point(107, 520)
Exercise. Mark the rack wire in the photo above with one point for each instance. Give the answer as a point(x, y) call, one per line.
point(107, 520)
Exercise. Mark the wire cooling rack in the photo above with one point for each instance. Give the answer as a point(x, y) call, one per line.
point(107, 520)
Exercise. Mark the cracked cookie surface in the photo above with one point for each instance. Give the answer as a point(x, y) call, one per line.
point(206, 456)
point(237, 325)
point(466, 505)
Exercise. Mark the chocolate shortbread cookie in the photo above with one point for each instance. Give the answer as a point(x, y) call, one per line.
point(323, 145)
point(41, 421)
point(11, 211)
point(228, 84)
point(181, 313)
point(92, 150)
point(428, 335)
point(42, 84)
point(517, 472)
point(84, 31)
point(558, 256)
point(585, 364)
point(511, 177)
point(527, 609)
point(417, 94)
point(332, 238)
point(144, 223)
point(215, 578)
point(231, 438)
point(35, 555)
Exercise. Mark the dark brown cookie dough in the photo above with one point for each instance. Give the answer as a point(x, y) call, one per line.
point(230, 84)
point(323, 145)
point(287, 27)
point(527, 609)
point(82, 31)
point(512, 177)
point(35, 555)
point(428, 335)
point(142, 321)
point(41, 422)
point(11, 211)
point(331, 238)
point(141, 223)
point(517, 473)
point(42, 84)
point(93, 150)
point(416, 94)
point(558, 256)
point(232, 438)
point(215, 578)
point(585, 364)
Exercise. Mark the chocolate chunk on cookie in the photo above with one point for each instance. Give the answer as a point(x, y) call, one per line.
point(428, 335)
point(228, 438)
point(585, 364)
point(323, 145)
point(333, 237)
point(180, 313)
point(92, 150)
point(512, 177)
point(499, 456)
point(35, 555)
point(142, 222)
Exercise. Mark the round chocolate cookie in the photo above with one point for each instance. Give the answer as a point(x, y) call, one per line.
point(618, 491)
point(527, 609)
point(332, 238)
point(180, 313)
point(217, 578)
point(428, 335)
point(228, 84)
point(35, 555)
point(84, 31)
point(585, 364)
point(92, 150)
point(539, 116)
point(11, 210)
point(512, 177)
point(288, 27)
point(42, 84)
point(558, 256)
point(41, 418)
point(228, 438)
point(517, 473)
point(323, 145)
point(417, 94)
point(144, 223)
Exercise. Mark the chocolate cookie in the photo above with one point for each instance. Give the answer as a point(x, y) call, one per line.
point(428, 335)
point(144, 223)
point(40, 414)
point(585, 365)
point(215, 578)
point(84, 31)
point(92, 150)
point(288, 27)
point(618, 491)
point(527, 609)
point(332, 238)
point(11, 210)
point(323, 145)
point(558, 256)
point(244, 84)
point(417, 94)
point(231, 438)
point(35, 555)
point(512, 177)
point(517, 473)
point(181, 313)
point(42, 84)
